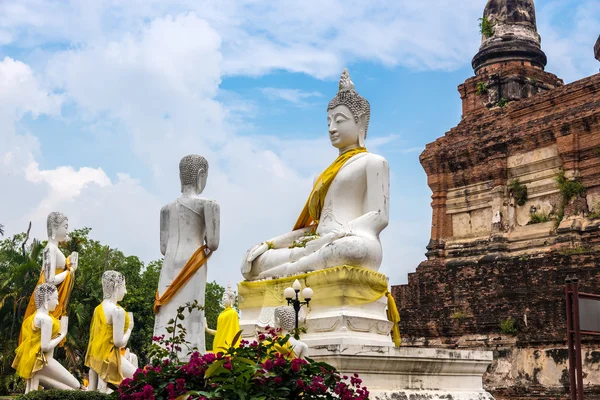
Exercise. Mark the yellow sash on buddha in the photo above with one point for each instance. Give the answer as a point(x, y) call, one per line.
point(228, 325)
point(197, 260)
point(64, 293)
point(314, 205)
point(29, 356)
point(393, 316)
point(102, 356)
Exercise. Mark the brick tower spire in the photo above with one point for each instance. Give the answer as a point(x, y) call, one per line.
point(509, 65)
point(509, 33)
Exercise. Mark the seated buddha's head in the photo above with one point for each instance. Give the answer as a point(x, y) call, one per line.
point(348, 116)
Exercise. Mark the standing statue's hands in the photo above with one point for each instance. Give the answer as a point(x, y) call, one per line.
point(74, 259)
point(64, 326)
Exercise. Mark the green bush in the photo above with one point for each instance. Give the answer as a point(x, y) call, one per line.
point(485, 27)
point(536, 218)
point(264, 369)
point(569, 188)
point(63, 395)
point(508, 326)
point(518, 191)
point(482, 88)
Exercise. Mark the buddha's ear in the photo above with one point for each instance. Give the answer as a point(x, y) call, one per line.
point(201, 180)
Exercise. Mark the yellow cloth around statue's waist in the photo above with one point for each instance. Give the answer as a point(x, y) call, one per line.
point(29, 356)
point(197, 260)
point(334, 287)
point(228, 325)
point(102, 356)
point(314, 205)
point(64, 293)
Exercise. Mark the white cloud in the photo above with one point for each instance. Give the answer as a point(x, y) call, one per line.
point(295, 96)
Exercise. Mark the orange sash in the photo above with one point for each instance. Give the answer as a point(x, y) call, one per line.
point(197, 260)
point(64, 293)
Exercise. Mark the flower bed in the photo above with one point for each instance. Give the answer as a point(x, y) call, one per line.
point(260, 370)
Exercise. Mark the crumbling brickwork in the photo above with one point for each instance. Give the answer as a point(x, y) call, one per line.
point(496, 265)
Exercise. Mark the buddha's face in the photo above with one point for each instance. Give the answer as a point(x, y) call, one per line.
point(226, 300)
point(344, 131)
point(53, 301)
point(61, 231)
point(121, 291)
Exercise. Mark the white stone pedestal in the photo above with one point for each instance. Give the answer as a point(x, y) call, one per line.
point(411, 373)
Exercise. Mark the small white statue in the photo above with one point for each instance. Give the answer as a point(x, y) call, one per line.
point(189, 233)
point(285, 318)
point(228, 324)
point(109, 334)
point(41, 332)
point(346, 210)
point(56, 269)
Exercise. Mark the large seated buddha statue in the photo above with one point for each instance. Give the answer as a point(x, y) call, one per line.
point(334, 247)
point(347, 208)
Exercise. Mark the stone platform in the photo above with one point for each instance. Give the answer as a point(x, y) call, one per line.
point(348, 306)
point(411, 373)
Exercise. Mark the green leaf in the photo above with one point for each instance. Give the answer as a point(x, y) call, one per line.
point(213, 368)
point(245, 360)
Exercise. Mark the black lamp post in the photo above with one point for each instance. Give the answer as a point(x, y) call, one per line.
point(291, 295)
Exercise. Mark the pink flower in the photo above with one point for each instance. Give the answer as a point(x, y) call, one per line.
point(277, 380)
point(268, 365)
point(148, 392)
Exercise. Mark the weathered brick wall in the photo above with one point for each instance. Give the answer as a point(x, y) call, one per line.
point(462, 305)
point(452, 299)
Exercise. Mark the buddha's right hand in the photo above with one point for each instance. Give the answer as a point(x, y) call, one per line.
point(64, 326)
point(130, 320)
point(74, 260)
point(256, 251)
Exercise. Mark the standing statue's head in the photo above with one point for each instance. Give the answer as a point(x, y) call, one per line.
point(228, 298)
point(348, 116)
point(46, 296)
point(57, 225)
point(113, 285)
point(193, 171)
point(285, 318)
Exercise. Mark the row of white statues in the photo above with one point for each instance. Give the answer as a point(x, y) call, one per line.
point(42, 332)
point(346, 211)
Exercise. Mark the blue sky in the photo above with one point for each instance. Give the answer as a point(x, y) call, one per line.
point(99, 101)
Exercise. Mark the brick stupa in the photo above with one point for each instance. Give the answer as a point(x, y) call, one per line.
point(504, 232)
